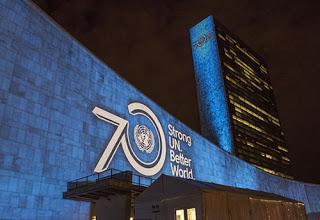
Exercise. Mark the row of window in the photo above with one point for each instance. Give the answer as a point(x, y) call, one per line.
point(247, 70)
point(274, 172)
point(233, 96)
point(257, 161)
point(248, 87)
point(262, 150)
point(267, 127)
point(256, 118)
point(248, 73)
point(256, 145)
point(241, 108)
point(185, 214)
point(241, 131)
point(238, 118)
point(243, 50)
point(256, 153)
point(247, 83)
point(260, 160)
point(245, 89)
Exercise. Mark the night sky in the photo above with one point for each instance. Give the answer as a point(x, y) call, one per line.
point(147, 43)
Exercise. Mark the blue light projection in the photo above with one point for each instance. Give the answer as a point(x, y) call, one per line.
point(49, 85)
point(214, 116)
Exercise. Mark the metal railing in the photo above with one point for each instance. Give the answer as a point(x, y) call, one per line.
point(126, 176)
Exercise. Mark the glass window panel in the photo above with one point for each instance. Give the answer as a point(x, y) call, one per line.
point(191, 213)
point(179, 214)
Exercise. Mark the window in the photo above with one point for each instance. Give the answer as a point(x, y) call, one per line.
point(179, 214)
point(191, 214)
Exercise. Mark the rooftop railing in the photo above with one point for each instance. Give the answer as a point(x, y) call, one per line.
point(124, 176)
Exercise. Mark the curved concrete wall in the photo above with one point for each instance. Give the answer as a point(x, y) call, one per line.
point(49, 136)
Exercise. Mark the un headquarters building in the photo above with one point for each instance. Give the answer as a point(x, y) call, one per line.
point(255, 126)
point(79, 142)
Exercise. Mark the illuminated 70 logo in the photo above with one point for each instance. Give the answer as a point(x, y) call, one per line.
point(121, 136)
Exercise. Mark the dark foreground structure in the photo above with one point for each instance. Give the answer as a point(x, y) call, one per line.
point(68, 121)
point(171, 198)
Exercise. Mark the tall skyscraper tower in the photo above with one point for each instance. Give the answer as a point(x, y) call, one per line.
point(236, 99)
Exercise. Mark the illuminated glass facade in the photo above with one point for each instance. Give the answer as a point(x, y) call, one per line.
point(257, 134)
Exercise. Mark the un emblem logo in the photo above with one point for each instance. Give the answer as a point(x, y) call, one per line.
point(144, 139)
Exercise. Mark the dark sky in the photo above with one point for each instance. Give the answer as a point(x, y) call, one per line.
point(147, 43)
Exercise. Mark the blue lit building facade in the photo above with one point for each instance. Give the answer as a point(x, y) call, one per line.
point(60, 109)
point(247, 123)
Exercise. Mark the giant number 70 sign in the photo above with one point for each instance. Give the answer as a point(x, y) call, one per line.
point(120, 137)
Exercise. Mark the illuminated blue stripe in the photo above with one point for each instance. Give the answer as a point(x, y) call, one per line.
point(214, 115)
